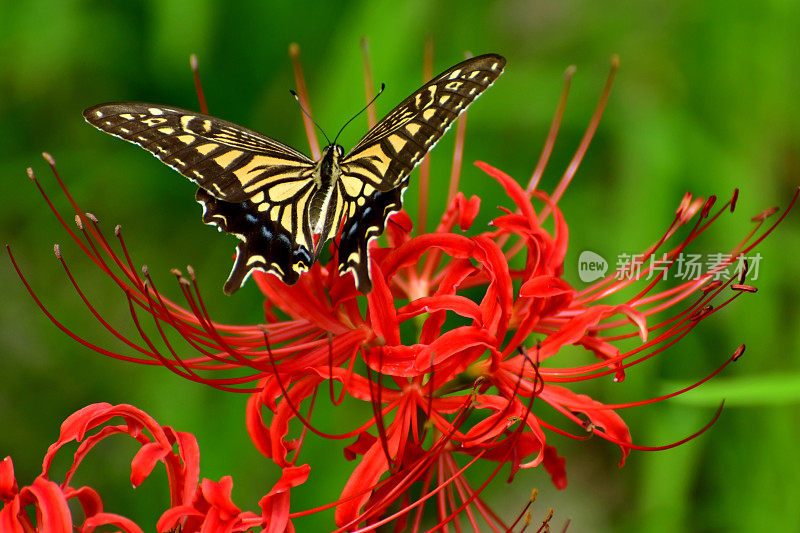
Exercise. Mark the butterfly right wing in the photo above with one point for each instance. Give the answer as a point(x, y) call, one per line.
point(376, 171)
point(231, 162)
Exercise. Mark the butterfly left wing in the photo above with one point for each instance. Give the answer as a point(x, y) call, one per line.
point(268, 245)
point(251, 186)
point(230, 161)
point(375, 172)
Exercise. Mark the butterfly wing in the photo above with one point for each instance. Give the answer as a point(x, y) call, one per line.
point(375, 172)
point(231, 162)
point(250, 185)
point(267, 245)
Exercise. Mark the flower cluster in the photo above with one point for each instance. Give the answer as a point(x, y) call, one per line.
point(454, 354)
point(194, 505)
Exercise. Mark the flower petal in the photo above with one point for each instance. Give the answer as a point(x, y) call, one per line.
point(545, 287)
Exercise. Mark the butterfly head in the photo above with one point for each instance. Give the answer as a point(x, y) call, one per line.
point(331, 155)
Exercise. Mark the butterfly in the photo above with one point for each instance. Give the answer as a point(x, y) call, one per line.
point(280, 203)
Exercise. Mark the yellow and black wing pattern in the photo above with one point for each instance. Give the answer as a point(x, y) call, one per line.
point(274, 198)
point(375, 172)
point(250, 185)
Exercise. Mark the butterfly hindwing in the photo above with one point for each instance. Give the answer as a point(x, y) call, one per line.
point(266, 245)
point(366, 223)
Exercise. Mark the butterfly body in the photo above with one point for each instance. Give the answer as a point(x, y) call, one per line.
point(326, 175)
point(280, 203)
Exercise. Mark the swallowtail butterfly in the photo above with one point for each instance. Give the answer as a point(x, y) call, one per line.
point(274, 198)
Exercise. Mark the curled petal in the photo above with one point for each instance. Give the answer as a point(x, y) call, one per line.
point(545, 287)
point(555, 466)
point(51, 505)
point(598, 414)
point(219, 496)
point(292, 476)
point(382, 312)
point(9, 517)
point(8, 483)
point(361, 483)
point(453, 342)
point(90, 501)
point(172, 518)
point(445, 302)
point(275, 513)
point(109, 519)
point(256, 427)
point(145, 460)
point(513, 189)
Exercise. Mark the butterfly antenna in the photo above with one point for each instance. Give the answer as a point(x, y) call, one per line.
point(383, 86)
point(303, 109)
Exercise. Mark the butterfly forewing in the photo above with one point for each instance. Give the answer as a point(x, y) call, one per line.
point(229, 161)
point(381, 162)
point(396, 144)
point(267, 194)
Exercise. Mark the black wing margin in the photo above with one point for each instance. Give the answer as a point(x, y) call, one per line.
point(265, 246)
point(366, 224)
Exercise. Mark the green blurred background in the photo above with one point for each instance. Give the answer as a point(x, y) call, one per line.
point(706, 100)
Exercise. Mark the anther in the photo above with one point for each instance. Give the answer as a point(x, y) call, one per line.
point(685, 202)
point(714, 285)
point(701, 313)
point(744, 288)
point(738, 353)
point(57, 250)
point(765, 214)
point(734, 198)
point(708, 205)
point(744, 269)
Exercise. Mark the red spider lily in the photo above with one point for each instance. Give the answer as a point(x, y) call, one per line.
point(193, 507)
point(458, 393)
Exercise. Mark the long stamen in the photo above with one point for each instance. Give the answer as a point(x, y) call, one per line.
point(198, 87)
point(369, 90)
point(585, 141)
point(425, 165)
point(550, 140)
point(458, 152)
point(302, 94)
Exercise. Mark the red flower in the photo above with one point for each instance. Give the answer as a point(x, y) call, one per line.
point(488, 310)
point(193, 507)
